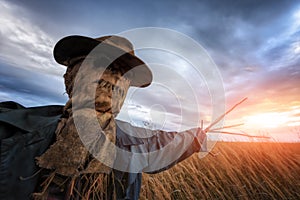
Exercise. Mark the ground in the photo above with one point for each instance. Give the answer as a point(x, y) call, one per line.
point(238, 171)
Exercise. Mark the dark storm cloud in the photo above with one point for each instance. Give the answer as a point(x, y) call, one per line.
point(235, 31)
point(92, 17)
point(218, 22)
point(30, 87)
point(231, 27)
point(208, 16)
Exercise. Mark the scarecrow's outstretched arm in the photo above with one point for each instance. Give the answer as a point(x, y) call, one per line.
point(161, 148)
point(197, 143)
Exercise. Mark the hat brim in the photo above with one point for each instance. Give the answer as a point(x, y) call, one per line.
point(75, 46)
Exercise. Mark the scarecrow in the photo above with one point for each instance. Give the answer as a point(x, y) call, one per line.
point(42, 153)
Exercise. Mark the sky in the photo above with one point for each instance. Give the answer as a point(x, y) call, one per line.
point(254, 44)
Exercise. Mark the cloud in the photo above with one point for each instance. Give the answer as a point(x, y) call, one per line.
point(28, 72)
point(254, 43)
point(23, 44)
point(282, 50)
point(30, 87)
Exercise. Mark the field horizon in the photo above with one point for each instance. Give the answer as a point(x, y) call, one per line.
point(234, 170)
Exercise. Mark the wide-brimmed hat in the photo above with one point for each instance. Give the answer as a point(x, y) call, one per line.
point(117, 48)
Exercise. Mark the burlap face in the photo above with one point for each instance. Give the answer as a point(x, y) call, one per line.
point(68, 156)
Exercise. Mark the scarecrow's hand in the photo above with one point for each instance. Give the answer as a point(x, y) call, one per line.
point(201, 135)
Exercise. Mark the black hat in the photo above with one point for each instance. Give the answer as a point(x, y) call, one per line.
point(75, 46)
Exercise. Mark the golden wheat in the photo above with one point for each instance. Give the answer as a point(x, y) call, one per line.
point(239, 171)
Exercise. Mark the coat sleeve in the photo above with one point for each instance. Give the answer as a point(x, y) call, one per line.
point(157, 150)
point(181, 145)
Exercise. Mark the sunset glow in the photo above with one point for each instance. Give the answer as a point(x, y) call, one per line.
point(267, 120)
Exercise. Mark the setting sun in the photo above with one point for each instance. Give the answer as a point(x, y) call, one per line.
point(266, 120)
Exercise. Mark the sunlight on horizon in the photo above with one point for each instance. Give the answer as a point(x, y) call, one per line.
point(267, 120)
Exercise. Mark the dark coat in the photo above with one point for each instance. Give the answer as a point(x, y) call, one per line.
point(26, 133)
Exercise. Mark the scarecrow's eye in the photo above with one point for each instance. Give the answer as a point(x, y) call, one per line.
point(114, 71)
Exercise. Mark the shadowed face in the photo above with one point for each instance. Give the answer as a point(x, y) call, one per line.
point(89, 90)
point(111, 86)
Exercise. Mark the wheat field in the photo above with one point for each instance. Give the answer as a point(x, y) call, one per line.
point(238, 171)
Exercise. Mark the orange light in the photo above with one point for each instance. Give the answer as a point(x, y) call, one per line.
point(266, 120)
